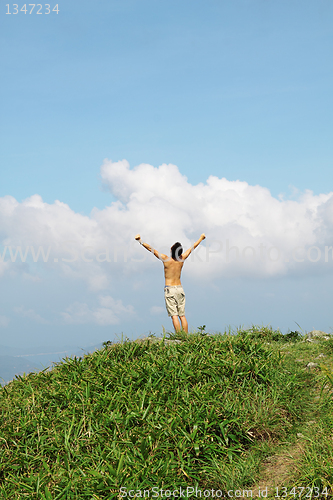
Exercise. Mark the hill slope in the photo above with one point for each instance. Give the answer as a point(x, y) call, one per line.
point(198, 413)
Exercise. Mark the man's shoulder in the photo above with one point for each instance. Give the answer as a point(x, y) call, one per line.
point(176, 264)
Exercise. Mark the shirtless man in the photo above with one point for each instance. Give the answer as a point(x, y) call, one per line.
point(173, 291)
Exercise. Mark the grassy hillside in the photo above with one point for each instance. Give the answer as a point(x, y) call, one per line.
point(205, 411)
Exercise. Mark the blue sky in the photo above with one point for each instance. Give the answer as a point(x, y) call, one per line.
point(240, 90)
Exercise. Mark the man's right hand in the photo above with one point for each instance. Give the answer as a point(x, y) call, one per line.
point(138, 237)
point(203, 236)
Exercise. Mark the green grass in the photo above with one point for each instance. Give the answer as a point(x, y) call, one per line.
point(203, 412)
point(315, 466)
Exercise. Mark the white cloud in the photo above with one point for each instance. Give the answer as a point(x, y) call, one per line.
point(110, 312)
point(30, 314)
point(164, 207)
point(4, 321)
point(3, 265)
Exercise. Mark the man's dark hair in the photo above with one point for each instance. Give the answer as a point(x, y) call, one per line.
point(176, 251)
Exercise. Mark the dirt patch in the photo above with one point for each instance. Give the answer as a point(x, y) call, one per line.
point(277, 472)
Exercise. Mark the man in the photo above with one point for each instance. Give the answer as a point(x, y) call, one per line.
point(173, 291)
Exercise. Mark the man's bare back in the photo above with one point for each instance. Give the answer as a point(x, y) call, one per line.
point(172, 271)
point(174, 293)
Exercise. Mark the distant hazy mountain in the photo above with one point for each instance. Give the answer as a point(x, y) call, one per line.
point(16, 361)
point(11, 366)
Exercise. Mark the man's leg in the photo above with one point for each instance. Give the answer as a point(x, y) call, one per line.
point(176, 323)
point(184, 323)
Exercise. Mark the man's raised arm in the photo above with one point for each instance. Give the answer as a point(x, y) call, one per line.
point(157, 254)
point(187, 253)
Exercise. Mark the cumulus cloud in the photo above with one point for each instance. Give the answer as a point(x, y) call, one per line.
point(110, 312)
point(270, 236)
point(30, 314)
point(249, 232)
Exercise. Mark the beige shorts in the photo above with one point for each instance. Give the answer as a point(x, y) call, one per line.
point(175, 300)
